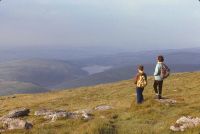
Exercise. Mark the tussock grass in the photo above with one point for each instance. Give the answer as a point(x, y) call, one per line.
point(127, 117)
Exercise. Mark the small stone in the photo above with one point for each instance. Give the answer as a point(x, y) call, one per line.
point(103, 107)
point(167, 101)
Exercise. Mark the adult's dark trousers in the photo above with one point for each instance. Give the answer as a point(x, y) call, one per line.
point(158, 87)
point(139, 92)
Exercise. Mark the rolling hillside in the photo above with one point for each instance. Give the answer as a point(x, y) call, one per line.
point(40, 72)
point(124, 65)
point(121, 73)
point(59, 74)
point(16, 87)
point(35, 75)
point(126, 117)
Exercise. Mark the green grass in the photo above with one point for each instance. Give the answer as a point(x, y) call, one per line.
point(126, 118)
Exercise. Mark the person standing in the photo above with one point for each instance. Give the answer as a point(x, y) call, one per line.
point(141, 81)
point(161, 72)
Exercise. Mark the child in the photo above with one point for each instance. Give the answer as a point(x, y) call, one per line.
point(141, 81)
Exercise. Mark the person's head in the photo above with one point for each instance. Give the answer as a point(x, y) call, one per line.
point(141, 68)
point(160, 58)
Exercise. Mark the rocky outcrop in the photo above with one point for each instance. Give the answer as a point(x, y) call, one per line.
point(85, 114)
point(184, 123)
point(11, 121)
point(16, 113)
point(57, 115)
point(11, 124)
point(52, 115)
point(60, 114)
point(43, 112)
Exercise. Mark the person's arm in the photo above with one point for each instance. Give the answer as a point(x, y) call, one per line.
point(156, 72)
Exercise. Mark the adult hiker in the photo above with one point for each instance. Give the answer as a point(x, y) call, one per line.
point(141, 81)
point(161, 72)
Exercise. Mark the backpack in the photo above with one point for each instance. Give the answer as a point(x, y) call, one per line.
point(165, 71)
point(142, 82)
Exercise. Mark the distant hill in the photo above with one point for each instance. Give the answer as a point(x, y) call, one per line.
point(181, 56)
point(16, 87)
point(54, 52)
point(122, 73)
point(57, 74)
point(40, 72)
point(35, 75)
point(124, 65)
point(125, 118)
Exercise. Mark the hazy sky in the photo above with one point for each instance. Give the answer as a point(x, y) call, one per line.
point(140, 24)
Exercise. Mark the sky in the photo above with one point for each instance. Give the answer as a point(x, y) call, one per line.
point(130, 24)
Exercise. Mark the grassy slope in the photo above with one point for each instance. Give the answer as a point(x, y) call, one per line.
point(148, 118)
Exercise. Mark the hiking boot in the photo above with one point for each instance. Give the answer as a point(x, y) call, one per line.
point(159, 97)
point(156, 97)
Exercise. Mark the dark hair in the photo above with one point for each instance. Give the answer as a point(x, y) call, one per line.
point(160, 58)
point(141, 67)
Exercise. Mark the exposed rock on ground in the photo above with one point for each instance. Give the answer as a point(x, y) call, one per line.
point(167, 101)
point(54, 115)
point(43, 112)
point(103, 107)
point(184, 123)
point(57, 115)
point(16, 113)
point(85, 114)
point(11, 122)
